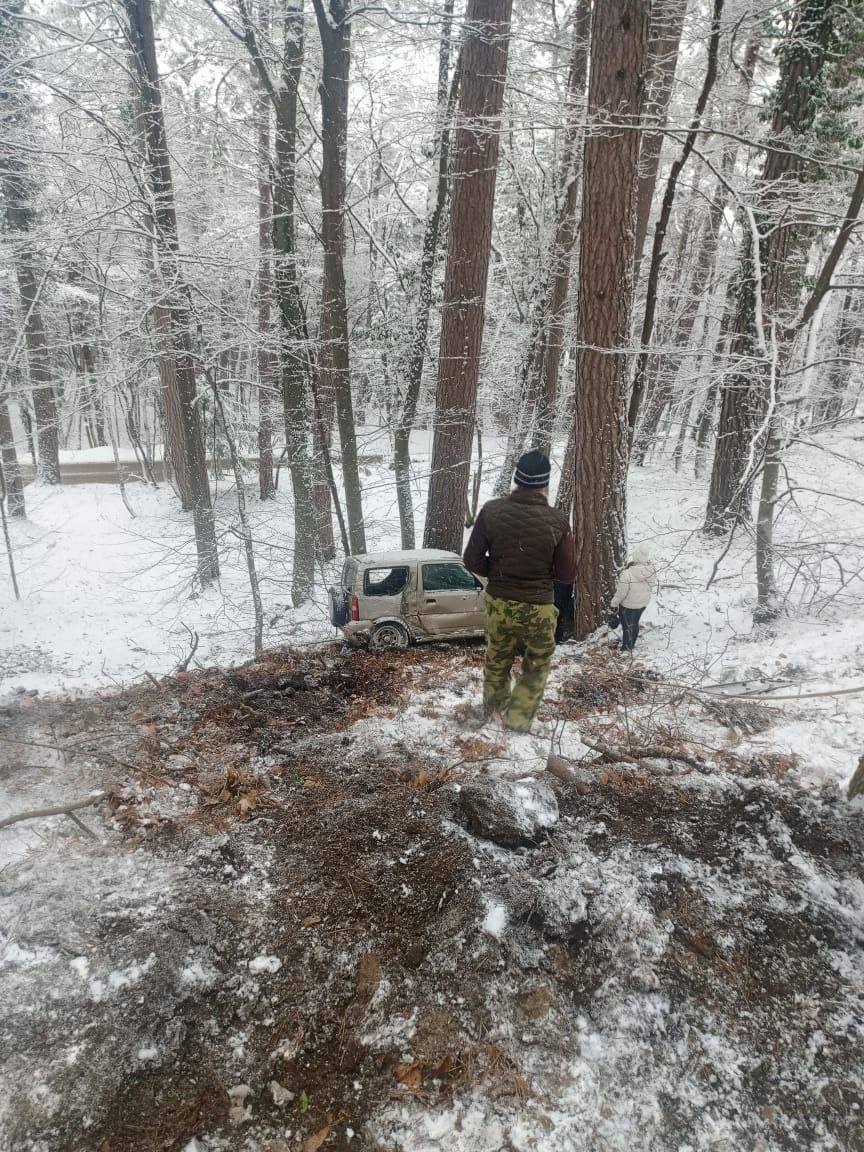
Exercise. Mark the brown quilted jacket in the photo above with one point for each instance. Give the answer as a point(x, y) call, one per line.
point(522, 546)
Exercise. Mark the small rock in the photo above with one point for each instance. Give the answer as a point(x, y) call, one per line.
point(239, 1112)
point(535, 1004)
point(645, 978)
point(509, 813)
point(280, 1094)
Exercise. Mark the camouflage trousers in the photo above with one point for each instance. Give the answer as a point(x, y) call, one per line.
point(516, 629)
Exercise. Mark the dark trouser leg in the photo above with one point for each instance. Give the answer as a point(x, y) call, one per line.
point(629, 627)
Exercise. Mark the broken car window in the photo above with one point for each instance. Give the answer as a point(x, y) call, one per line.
point(385, 581)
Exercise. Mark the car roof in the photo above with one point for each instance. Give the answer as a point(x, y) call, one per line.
point(406, 556)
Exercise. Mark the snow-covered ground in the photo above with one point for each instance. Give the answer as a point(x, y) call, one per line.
point(107, 598)
point(281, 879)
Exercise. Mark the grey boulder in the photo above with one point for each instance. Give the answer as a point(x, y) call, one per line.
point(512, 813)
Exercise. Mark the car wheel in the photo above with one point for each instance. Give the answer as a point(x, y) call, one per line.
point(389, 635)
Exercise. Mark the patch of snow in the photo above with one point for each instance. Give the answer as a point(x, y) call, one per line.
point(261, 964)
point(496, 919)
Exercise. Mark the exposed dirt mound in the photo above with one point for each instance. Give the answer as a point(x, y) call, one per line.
point(291, 942)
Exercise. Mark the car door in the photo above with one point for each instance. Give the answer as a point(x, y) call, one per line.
point(384, 590)
point(451, 599)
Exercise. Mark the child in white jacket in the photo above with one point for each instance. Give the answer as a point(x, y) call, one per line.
point(634, 592)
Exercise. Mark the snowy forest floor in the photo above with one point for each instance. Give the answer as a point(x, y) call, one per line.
point(283, 936)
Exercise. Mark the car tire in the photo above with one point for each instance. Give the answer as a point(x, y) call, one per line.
point(387, 636)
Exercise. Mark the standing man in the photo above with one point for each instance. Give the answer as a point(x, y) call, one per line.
point(521, 546)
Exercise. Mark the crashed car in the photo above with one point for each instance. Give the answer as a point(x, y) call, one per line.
point(393, 599)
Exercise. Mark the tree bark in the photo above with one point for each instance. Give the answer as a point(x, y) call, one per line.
point(780, 260)
point(663, 222)
point(539, 372)
point(664, 40)
point(767, 607)
point(334, 27)
point(9, 462)
point(173, 320)
point(294, 358)
point(845, 349)
point(293, 350)
point(429, 252)
point(564, 239)
point(484, 62)
point(619, 35)
point(17, 201)
point(266, 360)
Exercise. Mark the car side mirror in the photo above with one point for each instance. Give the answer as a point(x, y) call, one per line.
point(478, 584)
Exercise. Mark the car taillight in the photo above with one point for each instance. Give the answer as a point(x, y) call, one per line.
point(355, 608)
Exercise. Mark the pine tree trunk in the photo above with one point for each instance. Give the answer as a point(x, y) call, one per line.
point(334, 26)
point(16, 202)
point(767, 607)
point(539, 371)
point(9, 461)
point(18, 195)
point(429, 252)
point(664, 39)
point(619, 35)
point(781, 259)
point(660, 229)
point(484, 63)
point(564, 239)
point(845, 349)
point(173, 320)
point(266, 365)
point(294, 353)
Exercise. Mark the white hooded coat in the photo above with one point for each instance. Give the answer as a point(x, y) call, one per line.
point(636, 584)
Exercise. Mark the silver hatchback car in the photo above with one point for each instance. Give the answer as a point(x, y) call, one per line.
point(391, 599)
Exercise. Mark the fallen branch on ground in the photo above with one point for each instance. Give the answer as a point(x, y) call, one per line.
point(55, 810)
point(636, 755)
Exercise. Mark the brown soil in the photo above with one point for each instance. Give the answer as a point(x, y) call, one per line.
point(355, 881)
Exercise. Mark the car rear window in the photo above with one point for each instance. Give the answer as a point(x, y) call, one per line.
point(447, 578)
point(385, 581)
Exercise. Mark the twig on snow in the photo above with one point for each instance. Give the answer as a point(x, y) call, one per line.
point(193, 648)
point(55, 810)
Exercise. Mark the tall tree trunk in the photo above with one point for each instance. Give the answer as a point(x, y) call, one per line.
point(266, 365)
point(9, 462)
point(429, 252)
point(334, 26)
point(778, 263)
point(294, 353)
point(18, 195)
point(564, 238)
point(484, 63)
point(767, 607)
point(703, 274)
point(177, 366)
point(663, 222)
point(294, 357)
point(845, 348)
point(538, 383)
point(664, 40)
point(619, 35)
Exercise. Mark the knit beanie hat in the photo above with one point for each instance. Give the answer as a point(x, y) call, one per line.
point(533, 470)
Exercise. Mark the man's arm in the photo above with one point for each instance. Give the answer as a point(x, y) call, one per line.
point(476, 558)
point(564, 559)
